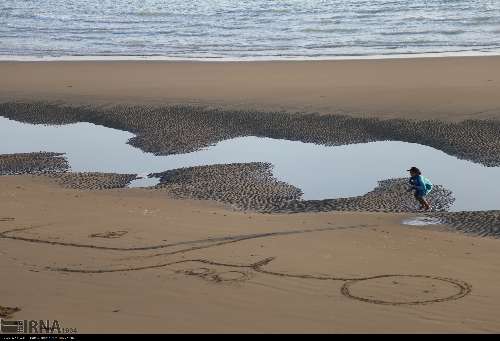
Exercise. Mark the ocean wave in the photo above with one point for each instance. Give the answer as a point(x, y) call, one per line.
point(427, 32)
point(230, 29)
point(329, 30)
point(146, 13)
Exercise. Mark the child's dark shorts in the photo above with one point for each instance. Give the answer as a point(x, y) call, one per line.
point(419, 194)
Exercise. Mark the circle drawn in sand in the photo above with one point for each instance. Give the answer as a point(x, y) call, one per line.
point(405, 289)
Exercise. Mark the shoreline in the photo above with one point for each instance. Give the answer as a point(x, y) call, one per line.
point(452, 54)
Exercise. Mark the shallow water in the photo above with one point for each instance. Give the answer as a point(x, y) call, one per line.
point(215, 29)
point(320, 171)
point(421, 221)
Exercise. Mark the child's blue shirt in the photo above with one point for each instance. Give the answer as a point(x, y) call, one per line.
point(418, 183)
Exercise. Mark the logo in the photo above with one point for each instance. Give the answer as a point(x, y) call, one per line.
point(12, 326)
point(34, 327)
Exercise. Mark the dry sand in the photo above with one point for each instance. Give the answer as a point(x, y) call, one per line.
point(134, 260)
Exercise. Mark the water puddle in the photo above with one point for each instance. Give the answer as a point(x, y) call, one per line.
point(320, 171)
point(144, 181)
point(421, 221)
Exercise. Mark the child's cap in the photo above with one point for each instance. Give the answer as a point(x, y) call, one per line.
point(414, 169)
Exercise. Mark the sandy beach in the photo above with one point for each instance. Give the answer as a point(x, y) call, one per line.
point(454, 88)
point(59, 230)
point(228, 248)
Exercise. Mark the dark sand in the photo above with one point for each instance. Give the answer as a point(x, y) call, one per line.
point(33, 163)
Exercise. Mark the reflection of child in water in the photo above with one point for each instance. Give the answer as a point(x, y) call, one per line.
point(422, 186)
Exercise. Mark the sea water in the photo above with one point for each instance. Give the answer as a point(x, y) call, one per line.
point(246, 30)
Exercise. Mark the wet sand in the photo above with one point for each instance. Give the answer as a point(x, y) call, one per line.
point(33, 163)
point(252, 187)
point(449, 89)
point(142, 260)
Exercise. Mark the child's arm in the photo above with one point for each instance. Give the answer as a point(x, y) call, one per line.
point(419, 184)
point(412, 185)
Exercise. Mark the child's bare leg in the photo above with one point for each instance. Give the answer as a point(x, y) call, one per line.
point(427, 206)
point(423, 203)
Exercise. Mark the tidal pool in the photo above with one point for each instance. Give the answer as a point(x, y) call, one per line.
point(320, 171)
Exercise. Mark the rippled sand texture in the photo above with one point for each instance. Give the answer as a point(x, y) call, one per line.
point(480, 223)
point(33, 163)
point(55, 166)
point(92, 180)
point(247, 186)
point(251, 186)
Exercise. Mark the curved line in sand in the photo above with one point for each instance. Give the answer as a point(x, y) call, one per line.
point(7, 235)
point(463, 288)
